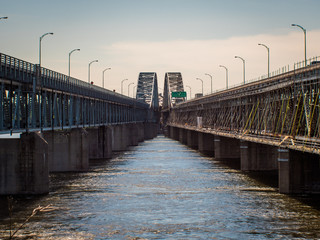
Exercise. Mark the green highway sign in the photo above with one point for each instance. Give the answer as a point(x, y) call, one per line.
point(178, 94)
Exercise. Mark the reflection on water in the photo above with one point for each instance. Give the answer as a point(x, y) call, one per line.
point(164, 190)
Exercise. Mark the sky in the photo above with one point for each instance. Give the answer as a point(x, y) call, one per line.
point(193, 37)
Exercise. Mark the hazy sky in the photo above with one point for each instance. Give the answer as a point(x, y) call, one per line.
point(193, 37)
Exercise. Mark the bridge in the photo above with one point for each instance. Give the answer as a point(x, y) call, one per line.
point(267, 125)
point(61, 122)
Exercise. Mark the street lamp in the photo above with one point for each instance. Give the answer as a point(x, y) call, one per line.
point(190, 91)
point(244, 69)
point(226, 74)
point(134, 87)
point(202, 84)
point(305, 42)
point(129, 87)
point(103, 76)
point(40, 45)
point(122, 84)
point(210, 78)
point(69, 61)
point(3, 18)
point(260, 44)
point(89, 69)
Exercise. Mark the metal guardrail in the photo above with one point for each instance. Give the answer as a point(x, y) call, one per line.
point(25, 72)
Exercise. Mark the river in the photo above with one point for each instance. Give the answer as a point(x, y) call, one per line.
point(162, 189)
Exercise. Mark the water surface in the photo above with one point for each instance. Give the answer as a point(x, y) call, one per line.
point(162, 189)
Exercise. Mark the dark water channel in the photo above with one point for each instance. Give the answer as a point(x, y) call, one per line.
point(163, 190)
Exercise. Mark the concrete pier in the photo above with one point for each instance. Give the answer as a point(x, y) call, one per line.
point(100, 142)
point(68, 150)
point(24, 165)
point(206, 143)
point(226, 148)
point(183, 135)
point(192, 139)
point(298, 172)
point(258, 157)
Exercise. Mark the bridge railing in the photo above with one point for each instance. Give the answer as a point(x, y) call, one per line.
point(282, 70)
point(25, 72)
point(33, 98)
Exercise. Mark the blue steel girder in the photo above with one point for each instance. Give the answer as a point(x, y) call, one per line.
point(34, 98)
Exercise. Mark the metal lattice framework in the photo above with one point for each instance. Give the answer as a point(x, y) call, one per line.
point(147, 89)
point(281, 110)
point(172, 83)
point(34, 98)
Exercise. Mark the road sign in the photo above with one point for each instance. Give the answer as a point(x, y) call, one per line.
point(178, 94)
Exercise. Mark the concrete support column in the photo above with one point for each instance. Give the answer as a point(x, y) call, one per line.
point(258, 157)
point(100, 142)
point(150, 130)
point(68, 150)
point(192, 139)
point(206, 143)
point(140, 132)
point(183, 135)
point(299, 172)
point(132, 134)
point(226, 148)
point(24, 165)
point(119, 138)
point(174, 133)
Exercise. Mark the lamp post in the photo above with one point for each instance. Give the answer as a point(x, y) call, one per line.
point(210, 78)
point(202, 84)
point(129, 88)
point(40, 45)
point(122, 84)
point(103, 76)
point(190, 91)
point(244, 68)
point(260, 44)
point(89, 69)
point(3, 18)
point(305, 42)
point(134, 87)
point(226, 74)
point(69, 61)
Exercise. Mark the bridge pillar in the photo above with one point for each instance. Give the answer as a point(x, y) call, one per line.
point(119, 138)
point(174, 133)
point(132, 134)
point(140, 132)
point(226, 148)
point(299, 172)
point(150, 130)
point(183, 135)
point(192, 139)
point(100, 142)
point(258, 157)
point(24, 165)
point(206, 143)
point(68, 150)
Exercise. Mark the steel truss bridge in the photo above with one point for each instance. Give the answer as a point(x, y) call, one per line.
point(36, 98)
point(282, 110)
point(172, 83)
point(147, 89)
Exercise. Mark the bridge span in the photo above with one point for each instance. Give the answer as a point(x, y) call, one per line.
point(60, 123)
point(269, 125)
